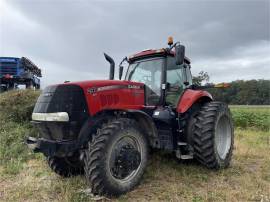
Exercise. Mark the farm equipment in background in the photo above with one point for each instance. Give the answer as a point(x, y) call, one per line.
point(18, 71)
point(105, 128)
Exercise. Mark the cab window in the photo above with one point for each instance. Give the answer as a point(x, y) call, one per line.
point(175, 80)
point(147, 71)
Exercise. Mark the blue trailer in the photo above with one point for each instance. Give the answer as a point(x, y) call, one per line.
point(18, 71)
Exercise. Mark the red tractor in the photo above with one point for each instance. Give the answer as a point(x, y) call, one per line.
point(105, 128)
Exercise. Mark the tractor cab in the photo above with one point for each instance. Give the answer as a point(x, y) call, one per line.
point(166, 75)
point(164, 78)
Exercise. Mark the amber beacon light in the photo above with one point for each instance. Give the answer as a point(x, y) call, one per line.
point(170, 40)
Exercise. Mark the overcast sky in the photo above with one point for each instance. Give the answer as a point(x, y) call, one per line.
point(66, 39)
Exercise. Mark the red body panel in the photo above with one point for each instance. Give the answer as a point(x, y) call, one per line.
point(112, 94)
point(145, 52)
point(189, 97)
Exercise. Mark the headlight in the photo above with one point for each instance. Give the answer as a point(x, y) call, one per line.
point(57, 116)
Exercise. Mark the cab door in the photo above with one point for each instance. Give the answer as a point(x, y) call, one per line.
point(176, 76)
point(148, 71)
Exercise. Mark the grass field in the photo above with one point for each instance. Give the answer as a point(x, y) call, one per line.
point(246, 116)
point(25, 176)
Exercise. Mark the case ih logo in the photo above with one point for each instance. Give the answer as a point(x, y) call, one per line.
point(92, 90)
point(134, 86)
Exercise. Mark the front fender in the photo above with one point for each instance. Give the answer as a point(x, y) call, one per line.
point(190, 97)
point(148, 126)
point(144, 120)
point(90, 127)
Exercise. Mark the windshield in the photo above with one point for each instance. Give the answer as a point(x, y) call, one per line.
point(147, 71)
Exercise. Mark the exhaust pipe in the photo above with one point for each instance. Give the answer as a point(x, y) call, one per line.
point(112, 65)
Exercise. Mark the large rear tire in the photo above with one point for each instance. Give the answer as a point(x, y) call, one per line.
point(65, 167)
point(213, 136)
point(116, 158)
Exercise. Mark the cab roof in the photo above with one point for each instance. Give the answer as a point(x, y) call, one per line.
point(152, 52)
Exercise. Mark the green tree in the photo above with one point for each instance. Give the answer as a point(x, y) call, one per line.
point(251, 92)
point(202, 77)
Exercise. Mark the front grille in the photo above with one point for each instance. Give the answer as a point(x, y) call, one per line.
point(110, 99)
point(8, 68)
point(62, 98)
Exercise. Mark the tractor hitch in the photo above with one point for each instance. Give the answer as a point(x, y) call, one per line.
point(33, 144)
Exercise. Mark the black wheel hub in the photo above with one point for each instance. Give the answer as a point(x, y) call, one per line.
point(126, 161)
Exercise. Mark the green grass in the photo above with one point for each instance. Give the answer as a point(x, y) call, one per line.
point(25, 176)
point(17, 105)
point(257, 117)
point(15, 112)
point(166, 179)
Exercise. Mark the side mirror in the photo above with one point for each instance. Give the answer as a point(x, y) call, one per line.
point(179, 54)
point(121, 68)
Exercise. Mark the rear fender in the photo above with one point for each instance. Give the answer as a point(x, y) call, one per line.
point(190, 97)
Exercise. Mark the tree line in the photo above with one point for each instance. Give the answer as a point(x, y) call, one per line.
point(240, 92)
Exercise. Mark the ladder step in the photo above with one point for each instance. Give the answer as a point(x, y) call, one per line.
point(186, 157)
point(181, 143)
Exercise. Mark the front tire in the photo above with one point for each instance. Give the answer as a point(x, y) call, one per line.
point(116, 158)
point(66, 166)
point(213, 136)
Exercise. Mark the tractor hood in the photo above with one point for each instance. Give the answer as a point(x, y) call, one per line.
point(89, 97)
point(101, 83)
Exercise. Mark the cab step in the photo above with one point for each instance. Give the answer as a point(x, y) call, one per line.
point(184, 157)
point(181, 143)
point(183, 146)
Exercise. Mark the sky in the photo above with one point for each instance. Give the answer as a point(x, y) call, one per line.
point(228, 39)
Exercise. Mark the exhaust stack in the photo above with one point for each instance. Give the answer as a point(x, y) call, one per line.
point(112, 65)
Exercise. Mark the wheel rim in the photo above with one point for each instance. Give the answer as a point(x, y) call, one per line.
point(125, 158)
point(223, 137)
